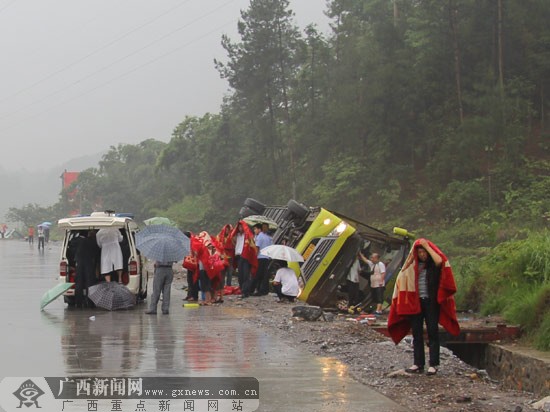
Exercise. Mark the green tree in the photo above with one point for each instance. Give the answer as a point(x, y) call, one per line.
point(31, 214)
point(261, 70)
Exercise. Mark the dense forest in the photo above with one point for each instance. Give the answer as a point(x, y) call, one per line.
point(426, 114)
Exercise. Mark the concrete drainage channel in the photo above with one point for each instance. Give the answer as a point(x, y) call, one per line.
point(490, 349)
point(514, 366)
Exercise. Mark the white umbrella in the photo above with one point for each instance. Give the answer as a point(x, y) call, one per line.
point(282, 252)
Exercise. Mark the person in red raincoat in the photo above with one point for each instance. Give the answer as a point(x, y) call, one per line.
point(190, 263)
point(246, 258)
point(224, 239)
point(201, 276)
point(211, 265)
point(218, 265)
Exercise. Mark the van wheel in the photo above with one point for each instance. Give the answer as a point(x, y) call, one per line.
point(297, 209)
point(246, 211)
point(254, 205)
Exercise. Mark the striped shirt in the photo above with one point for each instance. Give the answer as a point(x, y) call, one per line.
point(422, 280)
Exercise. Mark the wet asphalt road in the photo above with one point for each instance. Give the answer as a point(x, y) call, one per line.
point(205, 342)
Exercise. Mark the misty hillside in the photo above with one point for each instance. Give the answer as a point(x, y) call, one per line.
point(40, 187)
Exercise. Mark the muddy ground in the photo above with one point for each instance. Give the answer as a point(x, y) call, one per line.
point(375, 361)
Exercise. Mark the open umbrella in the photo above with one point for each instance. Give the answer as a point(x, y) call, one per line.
point(54, 293)
point(282, 252)
point(255, 219)
point(111, 296)
point(48, 224)
point(159, 220)
point(163, 243)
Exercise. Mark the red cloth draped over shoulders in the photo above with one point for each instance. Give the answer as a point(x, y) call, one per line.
point(249, 252)
point(211, 260)
point(406, 301)
point(224, 238)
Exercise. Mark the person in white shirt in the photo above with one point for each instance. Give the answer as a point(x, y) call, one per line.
point(40, 237)
point(352, 282)
point(377, 282)
point(286, 283)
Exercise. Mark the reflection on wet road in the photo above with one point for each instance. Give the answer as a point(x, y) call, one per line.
point(210, 341)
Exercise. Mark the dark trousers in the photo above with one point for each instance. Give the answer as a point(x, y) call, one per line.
point(204, 282)
point(192, 287)
point(278, 290)
point(261, 282)
point(228, 273)
point(353, 292)
point(244, 276)
point(40, 242)
point(430, 314)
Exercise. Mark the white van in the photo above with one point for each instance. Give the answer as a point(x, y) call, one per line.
point(134, 273)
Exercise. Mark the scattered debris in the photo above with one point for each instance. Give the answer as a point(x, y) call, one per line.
point(371, 358)
point(309, 313)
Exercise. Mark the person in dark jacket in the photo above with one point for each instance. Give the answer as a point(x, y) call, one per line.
point(87, 257)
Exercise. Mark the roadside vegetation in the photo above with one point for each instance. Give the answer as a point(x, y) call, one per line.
point(428, 115)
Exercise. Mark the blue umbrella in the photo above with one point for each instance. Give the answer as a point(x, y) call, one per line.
point(163, 243)
point(45, 224)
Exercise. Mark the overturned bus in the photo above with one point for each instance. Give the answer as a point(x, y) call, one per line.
point(329, 243)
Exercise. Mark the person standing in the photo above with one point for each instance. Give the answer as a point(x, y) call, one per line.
point(31, 235)
point(41, 238)
point(87, 257)
point(377, 282)
point(162, 283)
point(108, 239)
point(352, 283)
point(263, 240)
point(246, 257)
point(224, 239)
point(202, 246)
point(423, 293)
point(191, 265)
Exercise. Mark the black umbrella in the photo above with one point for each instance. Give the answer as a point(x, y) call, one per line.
point(111, 296)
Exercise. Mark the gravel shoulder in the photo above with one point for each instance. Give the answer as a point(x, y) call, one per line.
point(374, 360)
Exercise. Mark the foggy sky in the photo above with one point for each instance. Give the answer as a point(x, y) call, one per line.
point(80, 76)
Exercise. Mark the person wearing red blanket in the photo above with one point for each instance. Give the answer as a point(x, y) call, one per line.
point(423, 292)
point(218, 264)
point(246, 257)
point(224, 239)
point(210, 266)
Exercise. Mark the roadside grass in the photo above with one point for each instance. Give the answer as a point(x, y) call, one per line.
point(510, 278)
point(541, 340)
point(530, 308)
point(517, 286)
